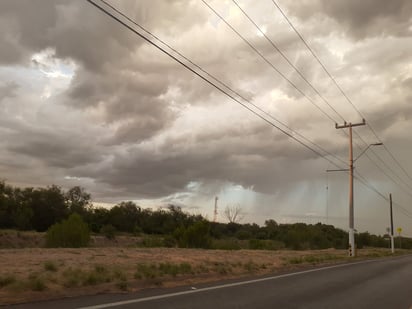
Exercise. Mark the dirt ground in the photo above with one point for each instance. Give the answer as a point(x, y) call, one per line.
point(39, 273)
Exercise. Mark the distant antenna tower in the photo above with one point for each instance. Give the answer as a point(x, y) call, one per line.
point(215, 212)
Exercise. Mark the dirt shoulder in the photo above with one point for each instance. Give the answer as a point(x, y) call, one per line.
point(39, 274)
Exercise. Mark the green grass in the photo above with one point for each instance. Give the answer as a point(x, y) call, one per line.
point(251, 266)
point(36, 283)
point(146, 271)
point(100, 274)
point(72, 277)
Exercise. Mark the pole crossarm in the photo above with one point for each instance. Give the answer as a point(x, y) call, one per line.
point(339, 170)
point(349, 125)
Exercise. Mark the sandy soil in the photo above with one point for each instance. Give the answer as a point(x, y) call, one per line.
point(206, 265)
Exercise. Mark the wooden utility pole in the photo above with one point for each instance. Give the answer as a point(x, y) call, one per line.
point(392, 238)
point(351, 211)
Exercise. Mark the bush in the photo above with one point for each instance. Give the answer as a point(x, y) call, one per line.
point(109, 231)
point(50, 266)
point(72, 277)
point(228, 244)
point(195, 236)
point(6, 280)
point(36, 283)
point(151, 241)
point(265, 244)
point(71, 233)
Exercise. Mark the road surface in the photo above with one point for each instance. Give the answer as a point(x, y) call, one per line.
point(385, 283)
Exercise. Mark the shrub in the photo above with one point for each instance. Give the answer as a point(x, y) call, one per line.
point(265, 244)
point(151, 241)
point(250, 266)
point(71, 233)
point(169, 241)
point(109, 231)
point(50, 266)
point(6, 280)
point(122, 285)
point(195, 236)
point(226, 244)
point(72, 277)
point(36, 283)
point(146, 271)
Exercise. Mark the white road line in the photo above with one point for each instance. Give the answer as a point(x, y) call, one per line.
point(223, 286)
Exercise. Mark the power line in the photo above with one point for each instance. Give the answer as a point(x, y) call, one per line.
point(267, 61)
point(287, 60)
point(208, 81)
point(387, 166)
point(363, 181)
point(271, 64)
point(225, 85)
point(340, 88)
point(317, 58)
point(233, 98)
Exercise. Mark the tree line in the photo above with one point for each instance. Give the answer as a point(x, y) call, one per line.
point(43, 209)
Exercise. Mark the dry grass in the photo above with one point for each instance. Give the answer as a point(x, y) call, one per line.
point(34, 274)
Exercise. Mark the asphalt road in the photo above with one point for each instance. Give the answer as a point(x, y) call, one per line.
point(368, 284)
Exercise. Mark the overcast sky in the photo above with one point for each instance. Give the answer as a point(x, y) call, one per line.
point(86, 102)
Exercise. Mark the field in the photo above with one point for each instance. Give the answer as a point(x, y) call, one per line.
point(39, 273)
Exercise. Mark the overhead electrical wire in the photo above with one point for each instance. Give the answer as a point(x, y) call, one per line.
point(268, 61)
point(287, 60)
point(340, 89)
point(277, 70)
point(363, 181)
point(219, 81)
point(297, 70)
point(102, 9)
point(401, 186)
point(273, 44)
point(385, 164)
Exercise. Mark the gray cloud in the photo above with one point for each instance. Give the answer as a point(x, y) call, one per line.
point(8, 90)
point(359, 19)
point(106, 110)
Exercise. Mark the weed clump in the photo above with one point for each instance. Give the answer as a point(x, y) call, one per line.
point(50, 266)
point(6, 280)
point(71, 233)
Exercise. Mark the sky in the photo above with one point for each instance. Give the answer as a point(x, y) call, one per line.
point(86, 102)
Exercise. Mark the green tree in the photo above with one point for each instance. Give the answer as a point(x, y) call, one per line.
point(125, 216)
point(48, 206)
point(6, 206)
point(78, 200)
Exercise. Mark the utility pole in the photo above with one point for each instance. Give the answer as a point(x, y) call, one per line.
point(392, 239)
point(215, 211)
point(351, 212)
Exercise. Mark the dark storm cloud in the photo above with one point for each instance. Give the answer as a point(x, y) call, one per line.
point(131, 123)
point(54, 148)
point(359, 19)
point(24, 28)
point(371, 17)
point(238, 156)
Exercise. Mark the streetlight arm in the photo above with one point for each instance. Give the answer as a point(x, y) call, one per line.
point(375, 144)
